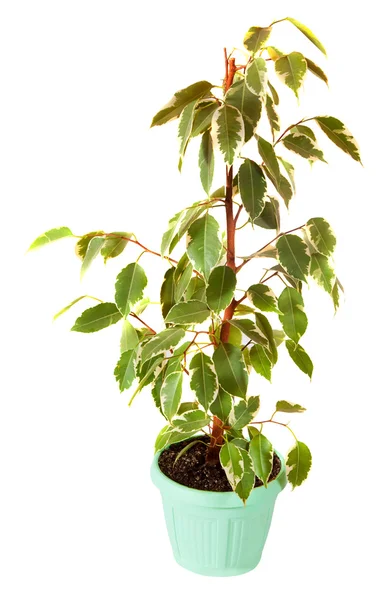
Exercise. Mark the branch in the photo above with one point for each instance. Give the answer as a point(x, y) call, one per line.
point(131, 314)
point(288, 129)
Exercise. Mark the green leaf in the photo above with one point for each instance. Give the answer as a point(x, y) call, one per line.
point(322, 272)
point(180, 100)
point(235, 335)
point(167, 436)
point(250, 329)
point(196, 290)
point(268, 155)
point(253, 187)
point(247, 103)
point(185, 450)
point(295, 283)
point(97, 317)
point(321, 235)
point(308, 33)
point(274, 53)
point(339, 135)
point(129, 337)
point(289, 170)
point(232, 462)
point(220, 288)
point(174, 361)
point(204, 245)
point(147, 374)
point(125, 372)
point(189, 216)
point(316, 70)
point(300, 357)
point(294, 320)
point(305, 130)
point(256, 37)
point(228, 130)
point(265, 327)
point(188, 313)
point(335, 296)
point(206, 162)
point(231, 370)
point(256, 77)
point(186, 407)
point(191, 421)
point(291, 69)
point(141, 306)
point(167, 292)
point(262, 453)
point(164, 340)
point(293, 255)
point(298, 462)
point(252, 431)
point(245, 486)
point(304, 146)
point(279, 336)
point(263, 298)
point(185, 129)
point(204, 381)
point(114, 246)
point(222, 405)
point(244, 412)
point(170, 234)
point(171, 393)
point(82, 244)
point(274, 93)
point(267, 251)
point(272, 115)
point(202, 118)
point(130, 284)
point(92, 252)
point(269, 218)
point(289, 407)
point(51, 236)
point(66, 308)
point(261, 361)
point(181, 277)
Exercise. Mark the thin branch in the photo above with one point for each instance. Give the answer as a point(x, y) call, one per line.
point(238, 214)
point(288, 129)
point(143, 323)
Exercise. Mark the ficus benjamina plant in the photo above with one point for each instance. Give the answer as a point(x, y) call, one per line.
point(213, 332)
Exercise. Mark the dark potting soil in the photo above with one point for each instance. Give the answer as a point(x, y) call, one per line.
point(192, 471)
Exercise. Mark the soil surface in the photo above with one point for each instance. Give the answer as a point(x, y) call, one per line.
point(191, 470)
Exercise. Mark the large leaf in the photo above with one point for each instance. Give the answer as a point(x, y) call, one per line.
point(272, 115)
point(185, 129)
point(253, 187)
point(263, 298)
point(322, 272)
point(167, 292)
point(247, 103)
point(113, 245)
point(269, 218)
point(256, 77)
point(202, 118)
point(220, 288)
point(245, 486)
point(250, 329)
point(316, 70)
point(303, 145)
point(298, 462)
point(182, 276)
point(232, 462)
point(204, 245)
point(228, 130)
point(262, 453)
point(244, 412)
point(96, 318)
point(188, 313)
point(256, 37)
point(231, 370)
point(222, 405)
point(180, 100)
point(92, 252)
point(293, 255)
point(125, 371)
point(171, 392)
point(294, 320)
point(300, 357)
point(339, 135)
point(261, 361)
point(206, 162)
point(164, 340)
point(204, 381)
point(321, 235)
point(291, 69)
point(288, 407)
point(268, 155)
point(129, 337)
point(191, 421)
point(130, 284)
point(307, 33)
point(51, 236)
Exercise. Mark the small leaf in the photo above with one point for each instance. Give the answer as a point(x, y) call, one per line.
point(202, 118)
point(289, 170)
point(245, 486)
point(253, 187)
point(51, 236)
point(222, 405)
point(293, 319)
point(279, 336)
point(92, 252)
point(184, 129)
point(230, 369)
point(335, 296)
point(189, 216)
point(274, 93)
point(185, 450)
point(82, 244)
point(188, 313)
point(232, 462)
point(316, 70)
point(148, 374)
point(269, 218)
point(228, 130)
point(66, 308)
point(339, 135)
point(252, 431)
point(272, 115)
point(263, 298)
point(256, 77)
point(206, 162)
point(129, 337)
point(204, 244)
point(204, 381)
point(181, 277)
point(322, 272)
point(170, 234)
point(125, 372)
point(268, 155)
point(171, 393)
point(244, 412)
point(180, 100)
point(308, 33)
point(265, 327)
point(293, 255)
point(289, 407)
point(169, 338)
point(261, 361)
point(321, 235)
point(256, 37)
point(196, 290)
point(299, 462)
point(304, 146)
point(167, 436)
point(191, 421)
point(291, 69)
point(305, 130)
point(274, 53)
point(300, 357)
point(167, 292)
point(113, 245)
point(250, 329)
point(97, 317)
point(261, 451)
point(130, 284)
point(220, 288)
point(247, 103)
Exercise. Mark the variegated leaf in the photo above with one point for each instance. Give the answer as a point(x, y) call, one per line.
point(185, 129)
point(261, 361)
point(268, 155)
point(245, 486)
point(220, 288)
point(269, 218)
point(93, 249)
point(256, 77)
point(180, 100)
point(130, 284)
point(171, 393)
point(272, 115)
point(124, 371)
point(250, 329)
point(247, 103)
point(253, 187)
point(322, 272)
point(51, 236)
point(129, 337)
point(293, 318)
point(191, 421)
point(188, 313)
point(300, 357)
point(204, 244)
point(222, 405)
point(291, 69)
point(244, 412)
point(202, 117)
point(256, 37)
point(204, 381)
point(307, 33)
point(164, 340)
point(339, 135)
point(263, 298)
point(316, 70)
point(288, 407)
point(265, 327)
point(293, 255)
point(304, 146)
point(230, 369)
point(232, 462)
point(206, 162)
point(261, 451)
point(298, 464)
point(228, 131)
point(321, 235)
point(97, 318)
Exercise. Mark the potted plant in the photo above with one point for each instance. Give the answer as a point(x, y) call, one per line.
point(218, 473)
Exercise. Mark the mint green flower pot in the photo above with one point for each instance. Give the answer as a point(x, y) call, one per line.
point(213, 533)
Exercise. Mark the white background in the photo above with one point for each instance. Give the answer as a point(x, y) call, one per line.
point(80, 81)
